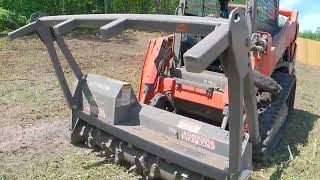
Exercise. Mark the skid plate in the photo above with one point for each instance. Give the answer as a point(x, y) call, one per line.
point(177, 145)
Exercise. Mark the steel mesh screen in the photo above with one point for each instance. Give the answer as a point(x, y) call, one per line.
point(202, 7)
point(268, 14)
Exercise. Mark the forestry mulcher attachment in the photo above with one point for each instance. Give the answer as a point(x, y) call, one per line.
point(213, 96)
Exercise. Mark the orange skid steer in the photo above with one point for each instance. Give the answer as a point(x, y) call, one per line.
point(214, 96)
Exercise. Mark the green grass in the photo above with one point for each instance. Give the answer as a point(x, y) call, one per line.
point(302, 134)
point(27, 82)
point(67, 166)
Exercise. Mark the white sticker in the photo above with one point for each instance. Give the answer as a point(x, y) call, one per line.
point(95, 110)
point(189, 126)
point(126, 96)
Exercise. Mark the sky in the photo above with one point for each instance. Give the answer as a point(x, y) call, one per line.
point(309, 12)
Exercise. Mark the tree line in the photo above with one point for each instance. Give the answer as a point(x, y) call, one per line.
point(57, 7)
point(311, 35)
point(15, 13)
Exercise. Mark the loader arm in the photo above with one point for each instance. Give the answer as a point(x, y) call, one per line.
point(230, 157)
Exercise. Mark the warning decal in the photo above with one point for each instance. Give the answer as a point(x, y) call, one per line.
point(198, 140)
point(94, 109)
point(125, 97)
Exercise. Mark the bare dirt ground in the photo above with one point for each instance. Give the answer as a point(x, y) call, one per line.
point(34, 140)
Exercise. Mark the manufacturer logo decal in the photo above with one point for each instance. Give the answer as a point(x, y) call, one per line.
point(198, 140)
point(181, 28)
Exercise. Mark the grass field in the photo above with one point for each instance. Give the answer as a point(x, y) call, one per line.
point(34, 141)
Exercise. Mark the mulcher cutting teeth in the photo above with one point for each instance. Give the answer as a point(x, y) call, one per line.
point(146, 164)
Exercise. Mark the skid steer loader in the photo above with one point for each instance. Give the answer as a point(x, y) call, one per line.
point(213, 96)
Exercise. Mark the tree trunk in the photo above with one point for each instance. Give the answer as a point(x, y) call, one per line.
point(126, 6)
point(106, 6)
point(157, 2)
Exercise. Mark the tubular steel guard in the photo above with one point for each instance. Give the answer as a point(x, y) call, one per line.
point(226, 37)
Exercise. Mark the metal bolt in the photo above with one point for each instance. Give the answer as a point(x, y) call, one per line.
point(184, 176)
point(154, 171)
point(74, 107)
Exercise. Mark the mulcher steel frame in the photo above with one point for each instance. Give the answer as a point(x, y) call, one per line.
point(224, 36)
point(110, 107)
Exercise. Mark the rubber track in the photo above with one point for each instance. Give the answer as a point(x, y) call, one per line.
point(268, 117)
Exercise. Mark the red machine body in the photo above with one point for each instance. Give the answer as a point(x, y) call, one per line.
point(264, 62)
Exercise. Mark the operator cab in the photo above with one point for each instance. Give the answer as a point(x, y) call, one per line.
point(267, 20)
point(208, 8)
point(212, 79)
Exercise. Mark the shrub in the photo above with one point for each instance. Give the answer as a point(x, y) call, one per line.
point(10, 20)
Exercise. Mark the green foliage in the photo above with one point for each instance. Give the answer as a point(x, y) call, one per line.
point(310, 35)
point(17, 10)
point(10, 20)
point(57, 7)
point(239, 2)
